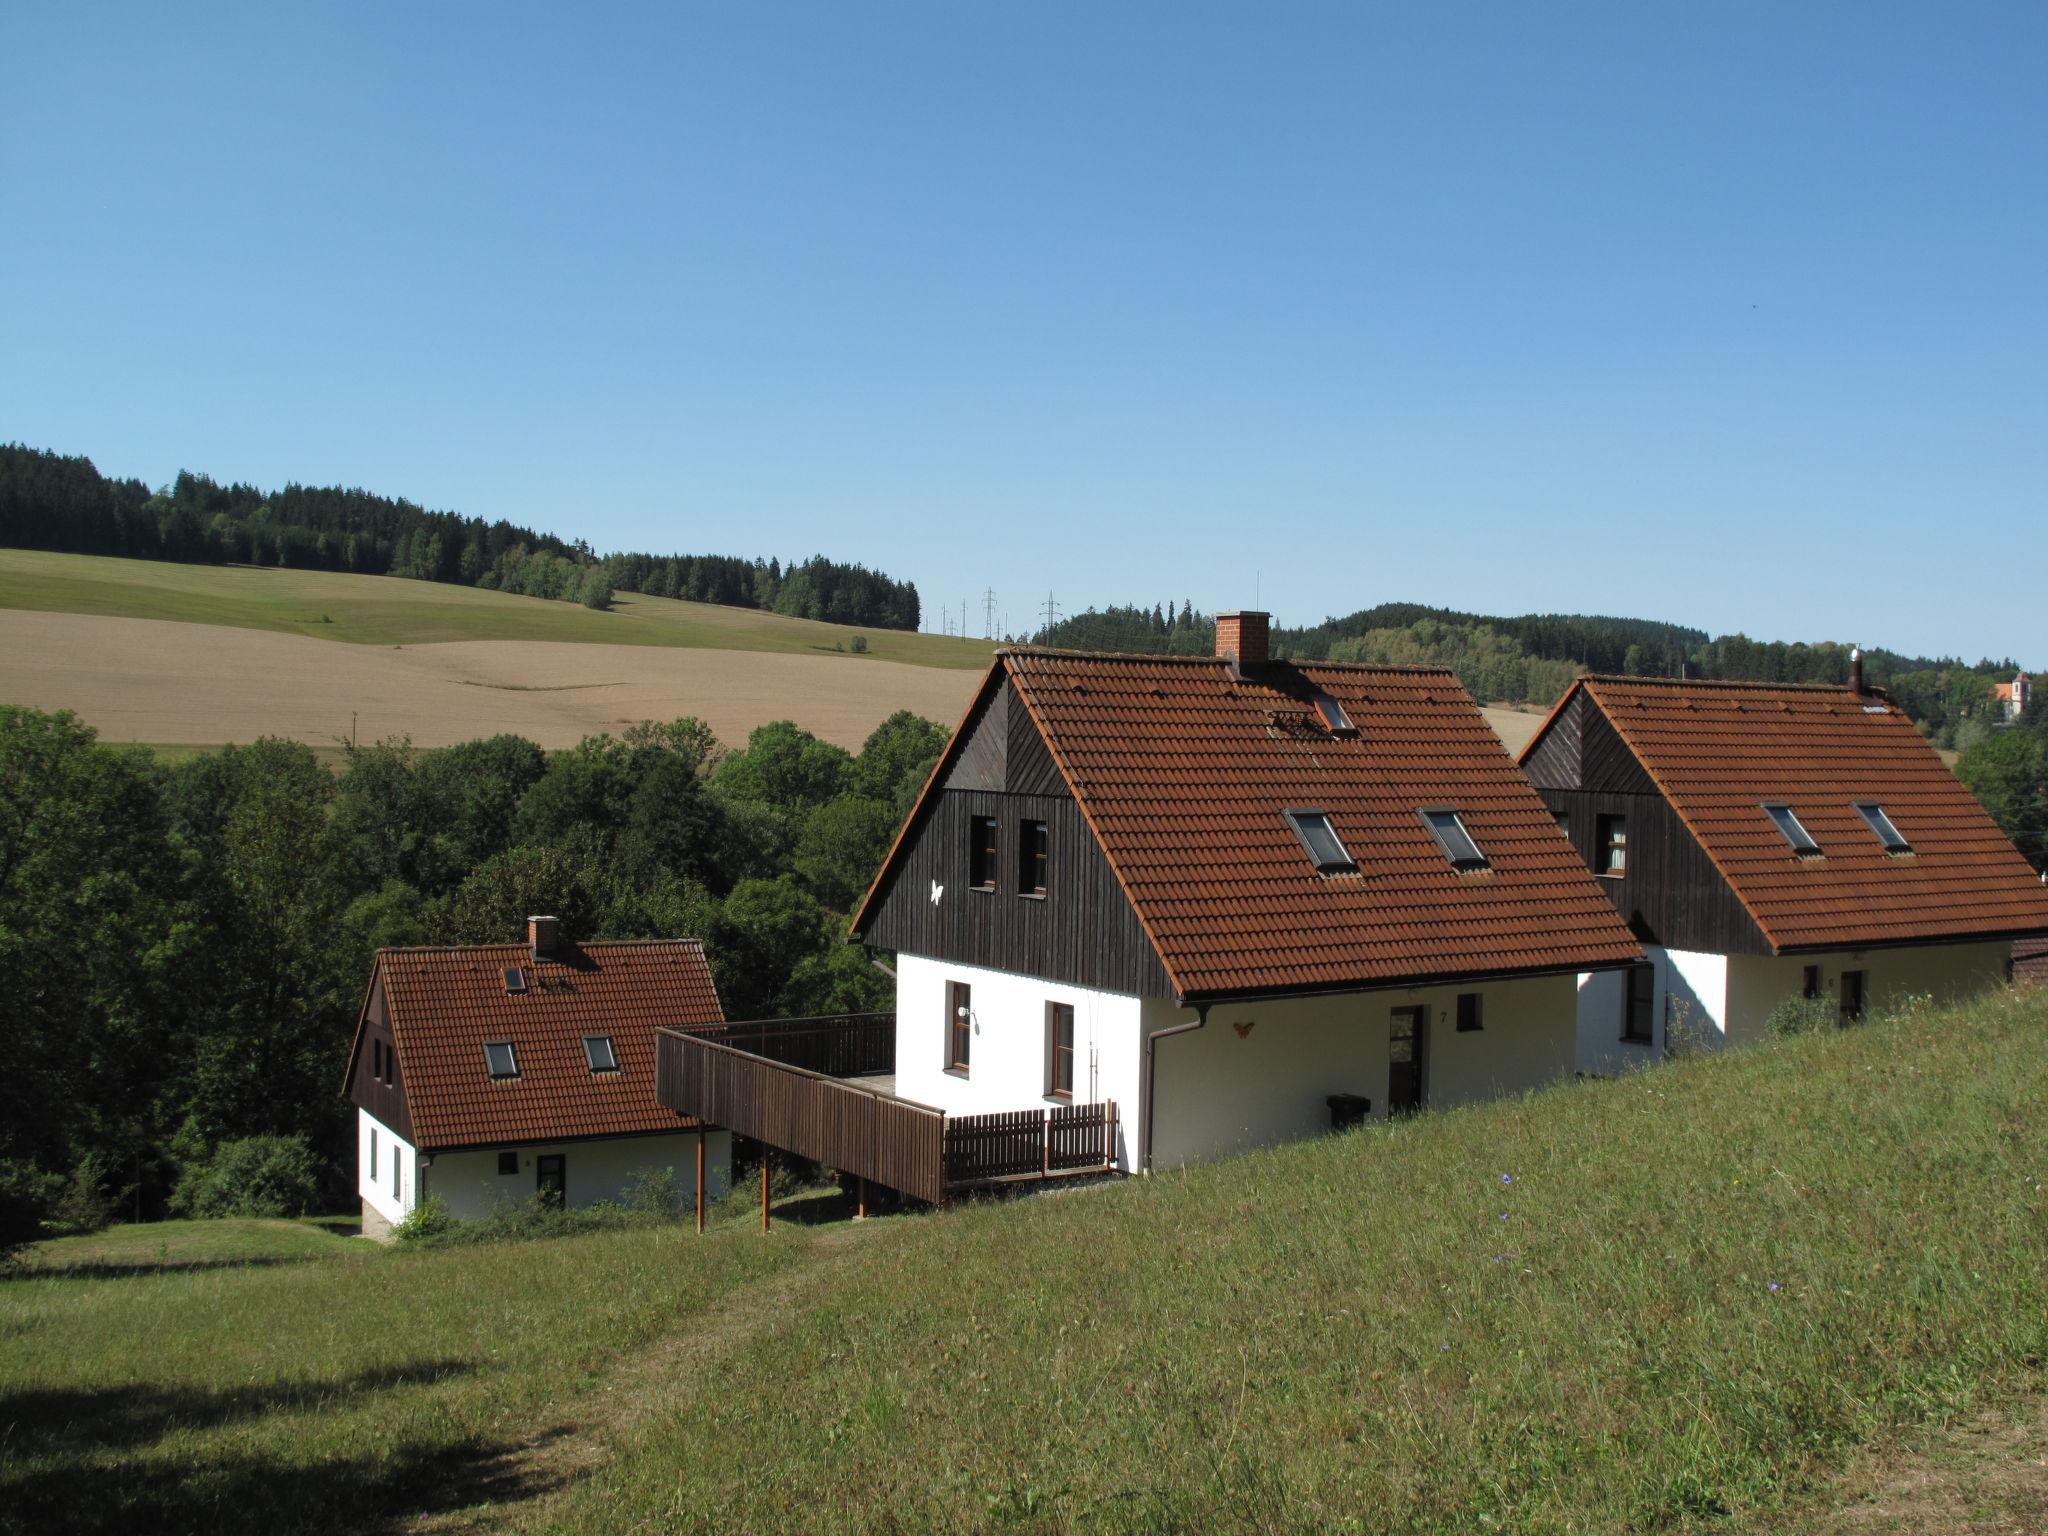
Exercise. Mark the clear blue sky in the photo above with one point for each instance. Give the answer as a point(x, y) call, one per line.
point(1731, 315)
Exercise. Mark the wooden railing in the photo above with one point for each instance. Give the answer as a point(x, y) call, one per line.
point(839, 1124)
point(1030, 1143)
point(859, 1130)
point(837, 1044)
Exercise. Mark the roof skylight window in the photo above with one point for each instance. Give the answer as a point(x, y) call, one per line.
point(1894, 841)
point(515, 980)
point(1801, 840)
point(499, 1058)
point(1450, 834)
point(597, 1050)
point(1325, 848)
point(1335, 721)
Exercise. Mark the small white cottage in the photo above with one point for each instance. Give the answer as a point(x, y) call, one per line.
point(491, 1072)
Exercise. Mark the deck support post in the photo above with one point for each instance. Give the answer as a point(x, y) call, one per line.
point(861, 1198)
point(765, 1155)
point(700, 1180)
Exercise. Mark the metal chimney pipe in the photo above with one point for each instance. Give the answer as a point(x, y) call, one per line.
point(1855, 670)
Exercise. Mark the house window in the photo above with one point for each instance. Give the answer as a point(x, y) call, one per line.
point(959, 1024)
point(1809, 982)
point(597, 1050)
point(515, 980)
point(1611, 852)
point(377, 1060)
point(1881, 824)
point(1639, 1011)
point(397, 1178)
point(508, 1164)
point(499, 1058)
point(1034, 852)
point(373, 1154)
point(1853, 989)
point(1471, 1012)
point(1564, 823)
point(1786, 822)
point(981, 853)
point(1451, 836)
point(1335, 721)
point(1325, 849)
point(1059, 1050)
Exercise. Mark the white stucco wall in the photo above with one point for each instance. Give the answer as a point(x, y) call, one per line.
point(1727, 999)
point(377, 1191)
point(1221, 1089)
point(596, 1170)
point(1260, 1073)
point(1007, 1066)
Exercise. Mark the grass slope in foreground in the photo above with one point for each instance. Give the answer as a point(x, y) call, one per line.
point(1662, 1304)
point(388, 610)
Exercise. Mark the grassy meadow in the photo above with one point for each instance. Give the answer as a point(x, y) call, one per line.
point(387, 610)
point(1683, 1302)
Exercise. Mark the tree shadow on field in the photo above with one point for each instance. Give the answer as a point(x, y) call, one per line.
point(120, 1269)
point(56, 1474)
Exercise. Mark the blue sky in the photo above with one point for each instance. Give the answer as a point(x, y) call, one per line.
point(1731, 315)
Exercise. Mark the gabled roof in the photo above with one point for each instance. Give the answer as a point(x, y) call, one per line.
point(1183, 770)
point(443, 1005)
point(1718, 752)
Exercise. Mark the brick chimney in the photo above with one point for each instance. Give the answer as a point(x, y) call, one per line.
point(541, 935)
point(1241, 636)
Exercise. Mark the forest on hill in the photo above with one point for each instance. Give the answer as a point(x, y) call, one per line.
point(1532, 658)
point(56, 502)
point(192, 941)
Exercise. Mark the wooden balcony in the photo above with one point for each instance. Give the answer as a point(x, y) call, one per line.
point(821, 1089)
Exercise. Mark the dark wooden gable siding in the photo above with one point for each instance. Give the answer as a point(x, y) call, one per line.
point(1083, 931)
point(1554, 764)
point(1672, 894)
point(384, 1100)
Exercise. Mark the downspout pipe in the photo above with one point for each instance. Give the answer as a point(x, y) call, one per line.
point(1152, 1076)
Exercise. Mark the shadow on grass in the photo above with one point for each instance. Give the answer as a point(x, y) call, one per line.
point(57, 1473)
point(116, 1269)
point(247, 1494)
point(82, 1420)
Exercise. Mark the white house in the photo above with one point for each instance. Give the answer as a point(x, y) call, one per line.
point(493, 1072)
point(1768, 841)
point(1240, 897)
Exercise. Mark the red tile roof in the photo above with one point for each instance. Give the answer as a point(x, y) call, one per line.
point(444, 1004)
point(1718, 751)
point(1183, 771)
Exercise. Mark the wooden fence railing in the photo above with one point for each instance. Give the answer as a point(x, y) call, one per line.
point(837, 1044)
point(1030, 1143)
point(841, 1125)
point(886, 1140)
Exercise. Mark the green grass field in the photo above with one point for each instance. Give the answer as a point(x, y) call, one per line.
point(386, 610)
point(1680, 1302)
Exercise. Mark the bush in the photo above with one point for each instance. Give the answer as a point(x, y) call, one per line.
point(86, 1204)
point(597, 590)
point(256, 1176)
point(858, 645)
point(653, 1192)
point(25, 1195)
point(1804, 1016)
point(428, 1218)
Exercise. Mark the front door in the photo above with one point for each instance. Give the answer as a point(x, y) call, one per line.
point(1407, 1056)
point(553, 1178)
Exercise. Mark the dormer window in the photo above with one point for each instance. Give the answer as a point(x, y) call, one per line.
point(499, 1059)
point(597, 1050)
point(1801, 840)
point(1325, 849)
point(1881, 824)
point(1335, 721)
point(1450, 834)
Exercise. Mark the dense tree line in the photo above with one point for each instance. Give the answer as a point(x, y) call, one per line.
point(50, 501)
point(1533, 658)
point(2007, 769)
point(189, 943)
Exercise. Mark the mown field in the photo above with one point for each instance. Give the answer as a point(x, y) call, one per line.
point(1681, 1302)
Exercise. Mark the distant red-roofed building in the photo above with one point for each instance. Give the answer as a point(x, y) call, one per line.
point(1221, 890)
point(1768, 841)
point(493, 1072)
point(2013, 698)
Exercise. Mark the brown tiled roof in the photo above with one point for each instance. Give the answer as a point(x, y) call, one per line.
point(1183, 771)
point(1718, 751)
point(444, 1004)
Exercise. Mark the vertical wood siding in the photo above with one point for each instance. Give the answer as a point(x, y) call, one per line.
point(384, 1100)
